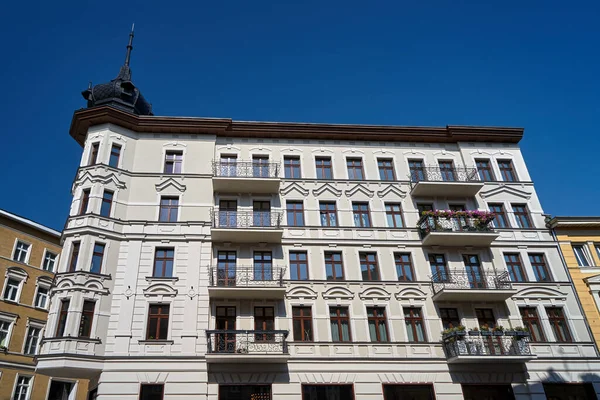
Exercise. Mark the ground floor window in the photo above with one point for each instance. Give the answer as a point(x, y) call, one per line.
point(327, 392)
point(152, 392)
point(60, 390)
point(244, 392)
point(488, 392)
point(569, 391)
point(408, 392)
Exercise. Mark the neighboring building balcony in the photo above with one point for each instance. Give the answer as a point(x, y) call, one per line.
point(457, 228)
point(239, 346)
point(471, 285)
point(245, 177)
point(499, 348)
point(69, 357)
point(436, 181)
point(246, 226)
point(246, 282)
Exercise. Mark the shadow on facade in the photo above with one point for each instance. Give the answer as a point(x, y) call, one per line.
point(248, 373)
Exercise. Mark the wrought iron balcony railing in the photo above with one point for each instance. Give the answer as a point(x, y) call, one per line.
point(429, 224)
point(437, 174)
point(486, 346)
point(254, 342)
point(260, 275)
point(246, 219)
point(245, 169)
point(471, 278)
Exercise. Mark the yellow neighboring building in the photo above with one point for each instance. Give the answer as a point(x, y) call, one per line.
point(579, 239)
point(28, 259)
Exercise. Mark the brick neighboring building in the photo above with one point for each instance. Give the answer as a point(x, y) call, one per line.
point(29, 255)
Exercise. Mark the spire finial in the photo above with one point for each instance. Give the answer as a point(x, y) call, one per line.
point(129, 46)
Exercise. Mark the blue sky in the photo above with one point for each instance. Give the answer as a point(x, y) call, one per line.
point(533, 64)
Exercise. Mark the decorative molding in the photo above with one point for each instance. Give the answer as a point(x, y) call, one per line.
point(359, 188)
point(338, 292)
point(374, 293)
point(229, 147)
point(170, 182)
point(540, 293)
point(301, 293)
point(413, 152)
point(322, 150)
point(353, 150)
point(294, 186)
point(327, 187)
point(504, 189)
point(88, 176)
point(411, 293)
point(174, 144)
point(261, 148)
point(392, 188)
point(160, 289)
point(323, 377)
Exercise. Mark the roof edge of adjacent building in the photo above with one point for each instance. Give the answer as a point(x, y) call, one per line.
point(30, 223)
point(574, 222)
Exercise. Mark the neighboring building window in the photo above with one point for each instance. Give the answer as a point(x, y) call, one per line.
point(597, 247)
point(327, 392)
point(62, 317)
point(484, 168)
point(49, 261)
point(404, 267)
point(74, 256)
point(97, 258)
point(386, 169)
point(377, 324)
point(447, 171)
point(439, 270)
point(173, 162)
point(540, 269)
point(295, 213)
point(22, 388)
point(323, 165)
point(414, 324)
point(393, 213)
point(41, 297)
point(11, 291)
point(291, 167)
point(32, 340)
point(362, 218)
point(368, 266)
point(158, 322)
point(355, 169)
point(522, 215)
point(501, 220)
point(581, 255)
point(506, 171)
point(340, 324)
point(515, 267)
point(417, 170)
point(169, 208)
point(298, 266)
point(302, 321)
point(152, 392)
point(449, 318)
point(260, 166)
point(94, 153)
point(84, 202)
point(163, 262)
point(557, 320)
point(334, 268)
point(328, 213)
point(115, 155)
point(87, 317)
point(107, 200)
point(531, 321)
point(4, 332)
point(21, 253)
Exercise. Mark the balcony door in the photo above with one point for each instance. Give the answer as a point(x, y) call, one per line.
point(263, 266)
point(492, 345)
point(228, 165)
point(228, 213)
point(264, 320)
point(261, 213)
point(226, 268)
point(260, 166)
point(447, 171)
point(225, 321)
point(460, 223)
point(474, 271)
point(417, 170)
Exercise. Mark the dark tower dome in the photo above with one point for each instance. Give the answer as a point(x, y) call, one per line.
point(120, 92)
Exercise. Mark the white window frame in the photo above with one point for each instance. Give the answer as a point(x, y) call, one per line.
point(28, 253)
point(586, 255)
point(34, 325)
point(19, 285)
point(16, 274)
point(74, 388)
point(29, 386)
point(55, 261)
point(45, 285)
point(10, 319)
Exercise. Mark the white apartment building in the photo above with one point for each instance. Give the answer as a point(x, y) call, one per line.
point(220, 259)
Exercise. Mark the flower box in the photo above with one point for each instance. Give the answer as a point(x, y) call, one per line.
point(486, 333)
point(510, 333)
point(474, 333)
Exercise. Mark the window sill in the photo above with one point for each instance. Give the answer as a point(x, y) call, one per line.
point(155, 342)
point(68, 338)
point(161, 279)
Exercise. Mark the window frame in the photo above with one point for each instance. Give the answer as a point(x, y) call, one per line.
point(164, 260)
point(378, 320)
point(297, 264)
point(166, 204)
point(394, 214)
point(74, 257)
point(94, 151)
point(537, 266)
point(584, 254)
point(334, 263)
point(447, 170)
point(517, 264)
point(107, 200)
point(289, 162)
point(54, 261)
point(328, 213)
point(84, 201)
point(171, 161)
point(522, 214)
point(386, 169)
point(502, 212)
point(142, 385)
point(117, 154)
point(527, 323)
point(42, 285)
point(97, 255)
point(321, 165)
point(447, 319)
point(398, 261)
point(29, 386)
point(339, 319)
point(86, 314)
point(63, 317)
point(356, 169)
point(412, 320)
point(489, 168)
point(555, 320)
point(294, 212)
point(368, 263)
point(27, 251)
point(358, 211)
point(418, 169)
point(159, 316)
point(7, 283)
point(510, 169)
point(10, 320)
point(27, 343)
point(303, 319)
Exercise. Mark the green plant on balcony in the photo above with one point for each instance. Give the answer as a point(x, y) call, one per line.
point(471, 220)
point(498, 330)
point(455, 332)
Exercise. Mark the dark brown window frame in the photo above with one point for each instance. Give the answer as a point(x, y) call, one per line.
point(334, 264)
point(166, 204)
point(324, 164)
point(294, 211)
point(447, 170)
point(378, 320)
point(297, 264)
point(163, 261)
point(527, 323)
point(352, 166)
point(539, 266)
point(398, 261)
point(515, 264)
point(85, 201)
point(171, 161)
point(338, 318)
point(413, 320)
point(159, 316)
point(447, 321)
point(99, 254)
point(303, 319)
point(85, 327)
point(510, 169)
point(94, 150)
point(360, 212)
point(394, 213)
point(108, 201)
point(75, 248)
point(328, 212)
point(502, 213)
point(289, 162)
point(488, 168)
point(387, 169)
point(524, 213)
point(369, 263)
point(419, 169)
point(63, 314)
point(554, 321)
point(114, 147)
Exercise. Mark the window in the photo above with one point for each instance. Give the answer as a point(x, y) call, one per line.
point(393, 213)
point(422, 207)
point(355, 169)
point(169, 208)
point(439, 271)
point(21, 253)
point(115, 154)
point(298, 266)
point(173, 162)
point(291, 167)
point(506, 171)
point(263, 266)
point(597, 247)
point(295, 213)
point(245, 392)
point(485, 317)
point(163, 262)
point(32, 340)
point(264, 320)
point(540, 270)
point(581, 255)
point(407, 392)
point(362, 219)
point(327, 392)
point(334, 268)
point(328, 213)
point(340, 324)
point(84, 202)
point(41, 297)
point(74, 256)
point(368, 266)
point(226, 268)
point(49, 261)
point(151, 391)
point(522, 215)
point(4, 332)
point(500, 221)
point(449, 318)
point(22, 388)
point(414, 324)
point(158, 322)
point(484, 168)
point(302, 321)
point(260, 166)
point(261, 214)
point(447, 171)
point(11, 291)
point(62, 317)
point(404, 267)
point(87, 317)
point(323, 166)
point(377, 324)
point(417, 170)
point(557, 320)
point(107, 200)
point(228, 165)
point(515, 267)
point(386, 169)
point(531, 321)
point(97, 258)
point(94, 153)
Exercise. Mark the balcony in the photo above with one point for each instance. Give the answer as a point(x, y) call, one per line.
point(245, 177)
point(457, 228)
point(471, 285)
point(236, 346)
point(70, 357)
point(246, 226)
point(246, 282)
point(435, 181)
point(493, 349)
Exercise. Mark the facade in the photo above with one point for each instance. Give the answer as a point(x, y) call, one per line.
point(221, 259)
point(579, 241)
point(29, 254)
